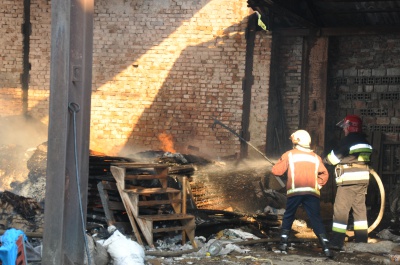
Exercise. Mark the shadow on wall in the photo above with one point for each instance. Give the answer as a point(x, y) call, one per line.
point(171, 75)
point(196, 89)
point(153, 81)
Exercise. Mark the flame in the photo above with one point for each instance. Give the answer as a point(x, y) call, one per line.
point(167, 144)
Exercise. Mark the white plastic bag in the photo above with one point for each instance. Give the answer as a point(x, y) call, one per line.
point(124, 251)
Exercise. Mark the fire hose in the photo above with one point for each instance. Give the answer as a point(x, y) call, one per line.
point(382, 193)
point(371, 171)
point(241, 138)
point(248, 143)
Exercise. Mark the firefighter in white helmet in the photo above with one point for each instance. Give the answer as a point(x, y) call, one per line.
point(306, 176)
point(351, 158)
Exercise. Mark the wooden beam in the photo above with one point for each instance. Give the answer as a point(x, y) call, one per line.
point(284, 12)
point(314, 87)
point(351, 1)
point(362, 12)
point(340, 31)
point(352, 31)
point(70, 82)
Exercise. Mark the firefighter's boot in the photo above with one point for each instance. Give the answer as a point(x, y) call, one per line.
point(323, 240)
point(283, 244)
point(361, 236)
point(337, 241)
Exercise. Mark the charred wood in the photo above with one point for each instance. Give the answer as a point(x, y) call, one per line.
point(26, 207)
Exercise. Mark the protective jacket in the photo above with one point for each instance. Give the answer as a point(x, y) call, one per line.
point(351, 157)
point(306, 172)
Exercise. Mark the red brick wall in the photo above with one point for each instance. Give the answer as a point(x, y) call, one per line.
point(163, 68)
point(260, 91)
point(39, 58)
point(11, 19)
point(158, 67)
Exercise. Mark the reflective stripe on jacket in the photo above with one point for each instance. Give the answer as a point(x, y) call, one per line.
point(351, 174)
point(353, 148)
point(306, 172)
point(362, 151)
point(302, 158)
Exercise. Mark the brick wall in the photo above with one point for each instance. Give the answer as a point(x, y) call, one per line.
point(158, 67)
point(289, 61)
point(11, 19)
point(365, 80)
point(39, 58)
point(168, 67)
point(260, 92)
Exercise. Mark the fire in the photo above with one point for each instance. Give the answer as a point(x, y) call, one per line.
point(167, 144)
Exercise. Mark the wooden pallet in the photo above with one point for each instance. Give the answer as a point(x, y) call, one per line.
point(137, 198)
point(113, 206)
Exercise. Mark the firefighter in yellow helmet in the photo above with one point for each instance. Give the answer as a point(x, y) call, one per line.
point(351, 158)
point(306, 176)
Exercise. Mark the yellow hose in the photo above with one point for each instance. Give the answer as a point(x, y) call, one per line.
point(382, 192)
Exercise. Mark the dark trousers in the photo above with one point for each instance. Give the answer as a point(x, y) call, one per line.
point(311, 205)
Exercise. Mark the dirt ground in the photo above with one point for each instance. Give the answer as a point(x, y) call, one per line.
point(375, 252)
point(263, 254)
point(238, 190)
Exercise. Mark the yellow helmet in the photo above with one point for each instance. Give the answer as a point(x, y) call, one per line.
point(301, 137)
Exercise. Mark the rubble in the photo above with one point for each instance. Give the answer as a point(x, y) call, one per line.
point(225, 196)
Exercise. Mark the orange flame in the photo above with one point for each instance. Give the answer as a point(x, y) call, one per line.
point(167, 144)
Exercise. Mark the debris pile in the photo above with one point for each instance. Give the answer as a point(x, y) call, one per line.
point(20, 213)
point(224, 196)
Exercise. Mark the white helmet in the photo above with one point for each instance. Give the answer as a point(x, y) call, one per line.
point(302, 138)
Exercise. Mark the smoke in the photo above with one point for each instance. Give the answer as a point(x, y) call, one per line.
point(19, 137)
point(22, 130)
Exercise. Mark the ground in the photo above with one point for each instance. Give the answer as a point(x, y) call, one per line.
point(263, 254)
point(237, 189)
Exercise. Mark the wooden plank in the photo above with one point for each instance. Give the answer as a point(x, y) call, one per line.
point(177, 206)
point(169, 229)
point(162, 173)
point(184, 198)
point(119, 175)
point(104, 201)
point(135, 165)
point(144, 177)
point(182, 169)
point(166, 217)
point(147, 229)
point(338, 31)
point(125, 200)
point(107, 185)
point(190, 227)
point(143, 191)
point(116, 206)
point(158, 202)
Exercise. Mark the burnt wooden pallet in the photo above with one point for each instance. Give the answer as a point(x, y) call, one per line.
point(135, 198)
point(112, 205)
